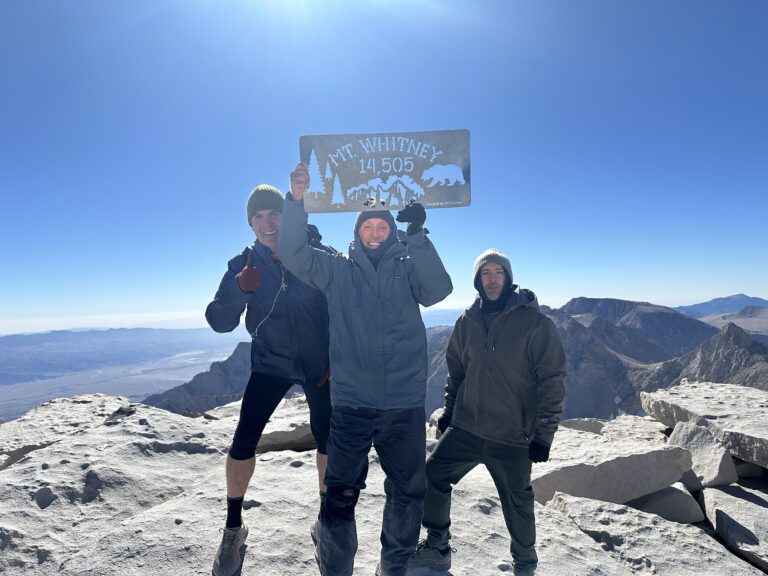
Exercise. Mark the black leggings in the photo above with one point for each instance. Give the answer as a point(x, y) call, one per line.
point(262, 395)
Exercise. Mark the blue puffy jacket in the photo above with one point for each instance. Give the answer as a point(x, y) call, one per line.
point(378, 344)
point(287, 319)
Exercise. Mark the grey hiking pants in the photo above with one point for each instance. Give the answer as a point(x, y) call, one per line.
point(455, 455)
point(399, 437)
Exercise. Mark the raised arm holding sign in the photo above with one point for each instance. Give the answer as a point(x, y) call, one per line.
point(299, 182)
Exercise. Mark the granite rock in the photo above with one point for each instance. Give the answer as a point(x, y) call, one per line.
point(740, 516)
point(712, 463)
point(615, 468)
point(648, 544)
point(736, 415)
point(673, 503)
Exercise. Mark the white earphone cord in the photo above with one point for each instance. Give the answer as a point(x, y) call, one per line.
point(283, 288)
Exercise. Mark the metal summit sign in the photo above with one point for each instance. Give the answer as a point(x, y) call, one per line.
point(352, 172)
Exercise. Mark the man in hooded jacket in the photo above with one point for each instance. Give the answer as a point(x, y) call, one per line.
point(378, 356)
point(288, 324)
point(504, 397)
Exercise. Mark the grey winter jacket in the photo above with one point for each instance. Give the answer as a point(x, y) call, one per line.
point(507, 384)
point(288, 325)
point(378, 345)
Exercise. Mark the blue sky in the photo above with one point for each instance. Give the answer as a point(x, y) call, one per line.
point(619, 148)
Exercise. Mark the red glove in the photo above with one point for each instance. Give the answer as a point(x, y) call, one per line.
point(249, 278)
point(324, 378)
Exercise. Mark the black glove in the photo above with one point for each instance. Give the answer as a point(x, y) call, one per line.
point(313, 234)
point(444, 421)
point(415, 215)
point(538, 451)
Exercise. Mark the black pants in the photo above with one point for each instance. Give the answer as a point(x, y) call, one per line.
point(455, 455)
point(398, 436)
point(262, 395)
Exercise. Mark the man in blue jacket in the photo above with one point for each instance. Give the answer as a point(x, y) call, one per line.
point(288, 323)
point(378, 355)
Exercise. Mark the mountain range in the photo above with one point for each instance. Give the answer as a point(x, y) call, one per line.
point(753, 319)
point(615, 349)
point(725, 305)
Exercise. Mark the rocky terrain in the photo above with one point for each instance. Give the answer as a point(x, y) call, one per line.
point(96, 485)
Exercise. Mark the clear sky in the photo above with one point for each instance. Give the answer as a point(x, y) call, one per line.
point(619, 147)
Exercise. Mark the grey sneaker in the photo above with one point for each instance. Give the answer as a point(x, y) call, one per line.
point(228, 559)
point(426, 556)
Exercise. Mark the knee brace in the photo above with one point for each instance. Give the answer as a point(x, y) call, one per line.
point(340, 502)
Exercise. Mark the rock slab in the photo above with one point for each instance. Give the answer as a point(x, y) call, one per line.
point(648, 544)
point(736, 415)
point(673, 503)
point(740, 516)
point(615, 468)
point(712, 462)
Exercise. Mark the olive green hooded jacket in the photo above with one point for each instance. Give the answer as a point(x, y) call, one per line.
point(506, 384)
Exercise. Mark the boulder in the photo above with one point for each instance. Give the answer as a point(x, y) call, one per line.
point(740, 516)
point(434, 416)
point(611, 468)
point(734, 414)
point(673, 503)
point(291, 431)
point(648, 544)
point(712, 463)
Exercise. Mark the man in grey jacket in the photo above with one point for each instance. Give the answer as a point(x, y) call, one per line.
point(504, 397)
point(378, 356)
